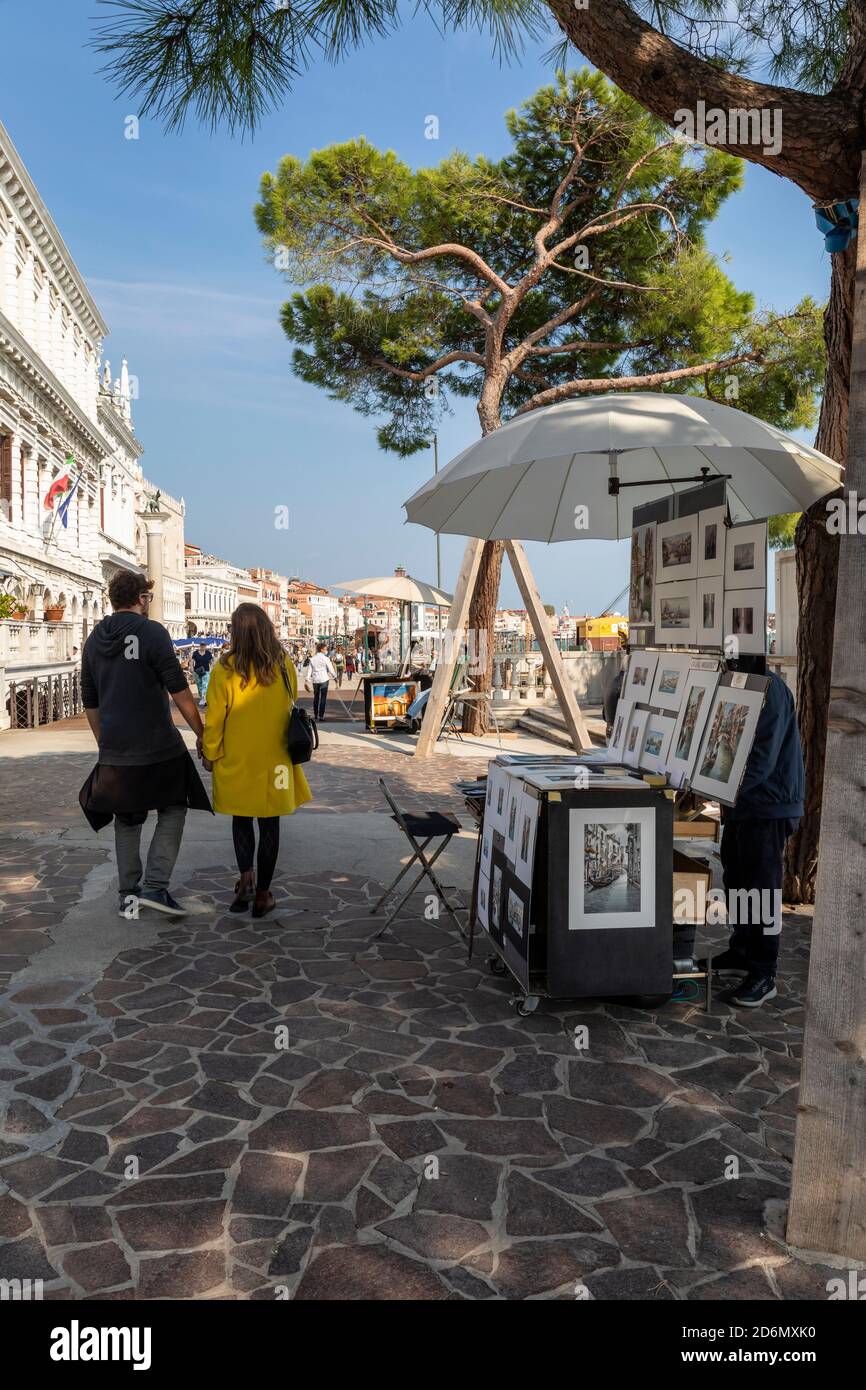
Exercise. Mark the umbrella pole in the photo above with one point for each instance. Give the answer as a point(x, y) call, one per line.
point(552, 655)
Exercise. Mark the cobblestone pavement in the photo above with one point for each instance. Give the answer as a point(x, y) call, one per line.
point(302, 1107)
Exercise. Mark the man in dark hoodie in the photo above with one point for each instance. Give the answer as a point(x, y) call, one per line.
point(128, 671)
point(768, 808)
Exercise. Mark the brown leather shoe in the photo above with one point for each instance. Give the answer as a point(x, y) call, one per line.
point(243, 892)
point(264, 902)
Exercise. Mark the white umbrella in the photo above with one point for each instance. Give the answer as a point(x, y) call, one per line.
point(399, 586)
point(528, 479)
point(402, 587)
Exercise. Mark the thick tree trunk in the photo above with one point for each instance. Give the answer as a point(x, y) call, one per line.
point(482, 622)
point(817, 566)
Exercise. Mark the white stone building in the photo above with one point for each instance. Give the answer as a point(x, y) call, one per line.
point(213, 590)
point(58, 419)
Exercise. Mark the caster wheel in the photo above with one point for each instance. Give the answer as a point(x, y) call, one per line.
point(527, 1006)
point(496, 966)
point(651, 1001)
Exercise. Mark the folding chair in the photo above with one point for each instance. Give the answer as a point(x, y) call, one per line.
point(428, 827)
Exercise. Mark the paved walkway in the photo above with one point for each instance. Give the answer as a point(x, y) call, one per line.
point(302, 1107)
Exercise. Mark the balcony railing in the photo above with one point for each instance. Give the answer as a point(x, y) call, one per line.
point(39, 700)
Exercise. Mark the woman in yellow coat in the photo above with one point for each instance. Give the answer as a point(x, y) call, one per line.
point(244, 745)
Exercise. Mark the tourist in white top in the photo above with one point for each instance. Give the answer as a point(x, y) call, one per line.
point(321, 672)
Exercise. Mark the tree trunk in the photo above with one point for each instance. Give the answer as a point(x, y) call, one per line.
point(482, 622)
point(817, 566)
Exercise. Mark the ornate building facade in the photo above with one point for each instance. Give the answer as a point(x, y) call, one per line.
point(66, 439)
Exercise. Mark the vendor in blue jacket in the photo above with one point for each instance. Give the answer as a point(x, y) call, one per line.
point(767, 810)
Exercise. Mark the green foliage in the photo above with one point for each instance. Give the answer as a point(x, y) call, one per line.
point(781, 530)
point(395, 331)
point(550, 610)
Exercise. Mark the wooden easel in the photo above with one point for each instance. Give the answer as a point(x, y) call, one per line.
point(540, 625)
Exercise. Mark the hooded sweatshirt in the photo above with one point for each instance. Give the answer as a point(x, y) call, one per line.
point(128, 670)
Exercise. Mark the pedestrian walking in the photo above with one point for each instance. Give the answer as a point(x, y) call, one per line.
point(350, 664)
point(202, 661)
point(321, 673)
point(339, 666)
point(128, 671)
point(252, 688)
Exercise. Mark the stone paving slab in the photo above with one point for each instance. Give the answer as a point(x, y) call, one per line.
point(300, 1107)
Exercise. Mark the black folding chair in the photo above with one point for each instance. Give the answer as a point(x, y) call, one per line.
point(428, 827)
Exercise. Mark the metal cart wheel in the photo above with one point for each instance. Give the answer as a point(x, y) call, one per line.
point(526, 1006)
point(496, 966)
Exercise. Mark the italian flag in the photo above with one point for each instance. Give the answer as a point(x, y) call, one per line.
point(58, 488)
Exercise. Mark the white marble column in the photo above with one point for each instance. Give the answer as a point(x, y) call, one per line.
point(155, 525)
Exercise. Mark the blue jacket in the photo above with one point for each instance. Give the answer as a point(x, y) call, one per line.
point(774, 782)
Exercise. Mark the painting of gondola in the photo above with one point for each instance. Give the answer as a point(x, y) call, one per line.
point(611, 868)
point(728, 738)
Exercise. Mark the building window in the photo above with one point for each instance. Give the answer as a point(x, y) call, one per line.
point(6, 476)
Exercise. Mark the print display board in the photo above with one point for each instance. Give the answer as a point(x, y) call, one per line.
point(610, 918)
point(709, 587)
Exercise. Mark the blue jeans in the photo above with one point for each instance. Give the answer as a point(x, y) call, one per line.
point(320, 696)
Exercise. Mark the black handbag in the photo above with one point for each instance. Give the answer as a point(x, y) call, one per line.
point(302, 735)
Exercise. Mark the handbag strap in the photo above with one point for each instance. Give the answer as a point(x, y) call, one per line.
point(285, 675)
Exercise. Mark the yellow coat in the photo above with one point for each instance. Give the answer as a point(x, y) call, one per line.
point(244, 738)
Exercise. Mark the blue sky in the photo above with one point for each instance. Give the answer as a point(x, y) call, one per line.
point(162, 229)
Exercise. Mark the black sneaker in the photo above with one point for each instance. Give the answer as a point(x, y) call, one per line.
point(753, 992)
point(161, 901)
point(726, 963)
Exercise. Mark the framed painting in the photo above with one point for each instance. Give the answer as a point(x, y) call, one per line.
point(642, 576)
point(746, 556)
point(691, 722)
point(656, 742)
point(620, 727)
point(611, 868)
point(676, 606)
point(640, 675)
point(728, 737)
point(709, 612)
point(527, 817)
point(391, 700)
point(745, 622)
point(711, 543)
point(514, 797)
point(670, 680)
point(677, 550)
point(634, 736)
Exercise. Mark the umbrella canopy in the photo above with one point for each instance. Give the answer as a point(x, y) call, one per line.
point(399, 586)
point(527, 480)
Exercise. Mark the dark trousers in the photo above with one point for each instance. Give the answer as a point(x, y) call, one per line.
point(320, 696)
point(752, 854)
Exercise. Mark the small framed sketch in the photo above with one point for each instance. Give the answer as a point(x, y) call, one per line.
point(640, 675)
point(634, 736)
point(643, 573)
point(711, 543)
point(482, 901)
point(656, 742)
point(515, 921)
point(611, 867)
point(690, 723)
point(709, 612)
point(670, 680)
point(675, 613)
point(496, 806)
point(746, 556)
point(527, 820)
point(677, 550)
point(728, 738)
point(514, 798)
point(620, 727)
point(745, 621)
